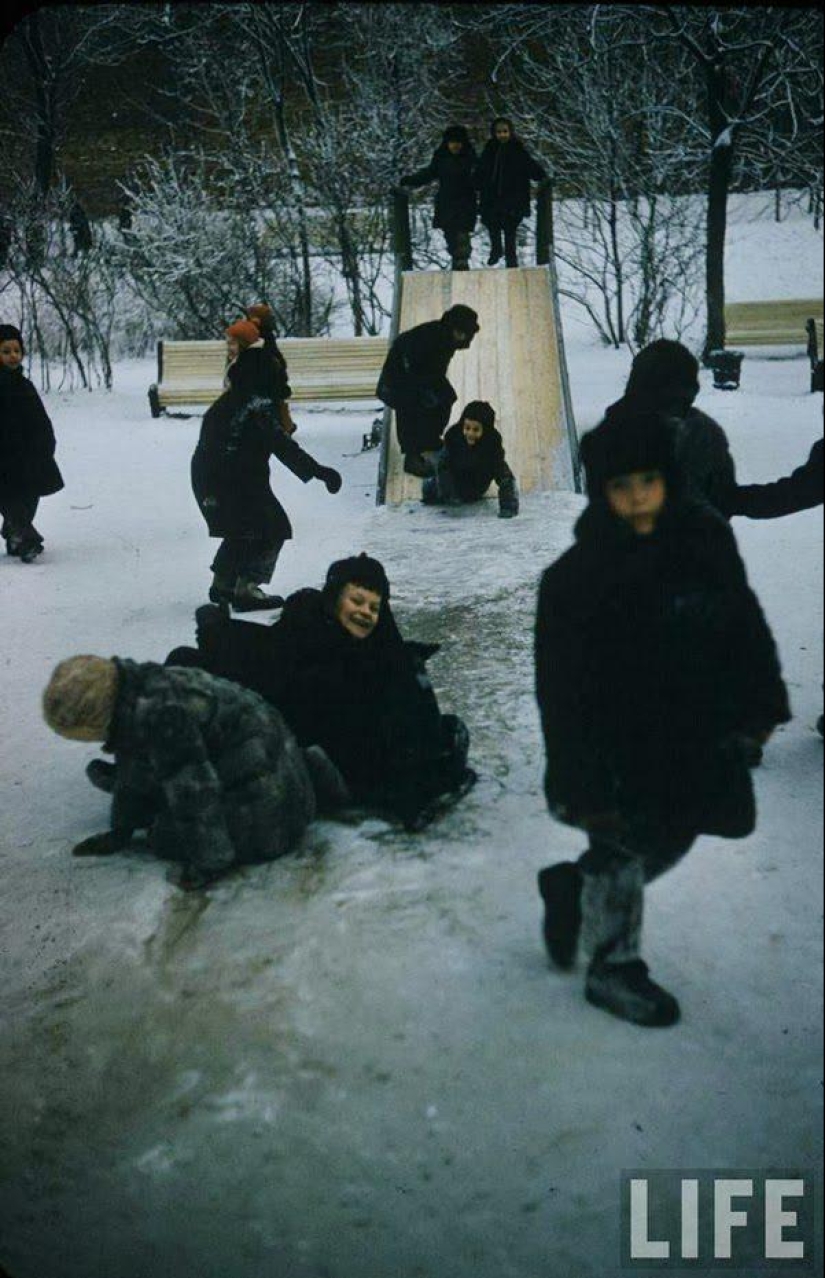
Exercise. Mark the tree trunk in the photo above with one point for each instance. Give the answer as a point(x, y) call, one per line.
point(719, 175)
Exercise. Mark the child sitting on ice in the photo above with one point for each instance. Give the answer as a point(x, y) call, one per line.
point(337, 668)
point(207, 767)
point(28, 470)
point(652, 657)
point(472, 457)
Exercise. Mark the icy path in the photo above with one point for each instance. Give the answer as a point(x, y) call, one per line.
point(354, 1063)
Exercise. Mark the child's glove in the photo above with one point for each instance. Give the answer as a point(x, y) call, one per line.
point(507, 499)
point(330, 477)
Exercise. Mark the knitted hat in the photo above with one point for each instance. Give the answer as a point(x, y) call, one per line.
point(245, 332)
point(631, 440)
point(8, 333)
point(663, 373)
point(262, 315)
point(480, 411)
point(464, 318)
point(361, 570)
point(79, 699)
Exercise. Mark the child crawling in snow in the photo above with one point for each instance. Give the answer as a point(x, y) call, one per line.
point(471, 458)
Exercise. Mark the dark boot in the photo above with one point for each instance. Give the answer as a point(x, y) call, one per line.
point(414, 464)
point(248, 597)
point(220, 592)
point(561, 890)
point(102, 775)
point(626, 991)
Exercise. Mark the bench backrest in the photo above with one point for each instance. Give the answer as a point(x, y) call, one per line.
point(772, 323)
point(306, 357)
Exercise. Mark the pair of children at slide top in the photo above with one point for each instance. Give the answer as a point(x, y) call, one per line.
point(496, 184)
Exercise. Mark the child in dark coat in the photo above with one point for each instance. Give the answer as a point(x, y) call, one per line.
point(456, 201)
point(664, 378)
point(28, 470)
point(207, 767)
point(263, 317)
point(414, 383)
point(471, 458)
point(503, 175)
point(652, 657)
point(337, 668)
point(230, 476)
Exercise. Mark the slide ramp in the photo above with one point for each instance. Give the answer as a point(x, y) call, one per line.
point(516, 363)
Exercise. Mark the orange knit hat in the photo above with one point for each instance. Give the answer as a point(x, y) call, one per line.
point(245, 332)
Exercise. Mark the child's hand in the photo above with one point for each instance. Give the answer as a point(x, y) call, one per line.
point(331, 478)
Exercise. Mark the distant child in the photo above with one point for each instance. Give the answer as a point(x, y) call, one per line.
point(230, 475)
point(206, 767)
point(264, 317)
point(456, 201)
point(503, 175)
point(652, 657)
point(28, 470)
point(413, 382)
point(472, 457)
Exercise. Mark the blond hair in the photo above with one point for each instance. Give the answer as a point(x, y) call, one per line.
point(80, 696)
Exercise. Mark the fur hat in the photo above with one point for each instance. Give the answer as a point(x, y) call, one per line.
point(464, 318)
point(456, 133)
point(361, 570)
point(630, 440)
point(662, 374)
point(480, 411)
point(246, 332)
point(79, 699)
point(8, 333)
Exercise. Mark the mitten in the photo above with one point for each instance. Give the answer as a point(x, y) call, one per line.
point(329, 477)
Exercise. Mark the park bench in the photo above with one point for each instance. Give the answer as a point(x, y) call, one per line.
point(320, 368)
point(785, 322)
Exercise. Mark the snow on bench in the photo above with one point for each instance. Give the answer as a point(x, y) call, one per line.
point(319, 368)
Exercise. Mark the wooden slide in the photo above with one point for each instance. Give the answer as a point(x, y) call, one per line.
point(516, 362)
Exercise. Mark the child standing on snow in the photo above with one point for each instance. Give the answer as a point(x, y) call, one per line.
point(472, 457)
point(456, 201)
point(652, 657)
point(230, 475)
point(28, 470)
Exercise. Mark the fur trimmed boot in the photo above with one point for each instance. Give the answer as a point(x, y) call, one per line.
point(249, 597)
point(626, 990)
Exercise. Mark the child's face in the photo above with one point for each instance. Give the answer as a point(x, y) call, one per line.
point(358, 610)
point(233, 348)
point(461, 340)
point(455, 147)
point(638, 498)
point(502, 132)
point(472, 431)
point(11, 353)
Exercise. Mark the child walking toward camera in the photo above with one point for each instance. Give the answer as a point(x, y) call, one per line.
point(471, 459)
point(653, 661)
point(28, 470)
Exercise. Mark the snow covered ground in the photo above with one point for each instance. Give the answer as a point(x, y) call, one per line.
point(355, 1063)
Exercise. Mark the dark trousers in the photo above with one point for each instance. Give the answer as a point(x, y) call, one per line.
point(458, 247)
point(18, 530)
point(614, 873)
point(248, 558)
point(504, 225)
point(420, 430)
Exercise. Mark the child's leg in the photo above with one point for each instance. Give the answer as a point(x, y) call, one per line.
point(510, 248)
point(496, 249)
point(260, 560)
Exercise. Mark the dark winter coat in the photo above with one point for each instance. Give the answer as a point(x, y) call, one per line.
point(702, 450)
point(502, 178)
point(207, 767)
point(27, 444)
point(456, 201)
point(473, 469)
point(230, 466)
point(414, 376)
point(652, 653)
point(800, 490)
point(367, 702)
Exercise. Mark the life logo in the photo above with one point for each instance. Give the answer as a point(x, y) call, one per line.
point(709, 1221)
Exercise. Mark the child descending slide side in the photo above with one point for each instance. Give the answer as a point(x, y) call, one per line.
point(471, 459)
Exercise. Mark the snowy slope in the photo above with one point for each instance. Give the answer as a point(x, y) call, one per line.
point(354, 1063)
